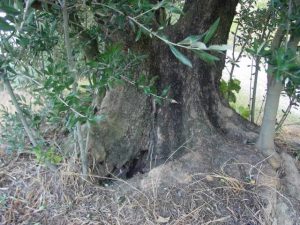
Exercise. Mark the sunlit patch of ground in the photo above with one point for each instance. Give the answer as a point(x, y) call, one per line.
point(5, 101)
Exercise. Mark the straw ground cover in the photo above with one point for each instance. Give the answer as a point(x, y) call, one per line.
point(241, 191)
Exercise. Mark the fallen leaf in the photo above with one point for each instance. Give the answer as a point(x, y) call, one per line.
point(161, 219)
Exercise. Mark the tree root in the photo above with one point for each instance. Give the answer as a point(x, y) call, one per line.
point(292, 176)
point(273, 159)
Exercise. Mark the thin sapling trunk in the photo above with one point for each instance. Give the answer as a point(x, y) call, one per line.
point(11, 93)
point(71, 66)
point(265, 141)
point(30, 133)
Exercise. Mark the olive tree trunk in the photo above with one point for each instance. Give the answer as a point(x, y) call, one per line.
point(137, 130)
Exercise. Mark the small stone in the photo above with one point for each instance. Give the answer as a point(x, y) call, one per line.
point(209, 178)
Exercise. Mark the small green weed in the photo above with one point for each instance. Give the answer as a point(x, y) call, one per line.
point(49, 155)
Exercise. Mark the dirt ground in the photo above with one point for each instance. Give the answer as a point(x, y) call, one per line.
point(241, 189)
point(5, 101)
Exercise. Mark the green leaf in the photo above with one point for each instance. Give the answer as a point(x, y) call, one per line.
point(182, 58)
point(219, 47)
point(5, 26)
point(138, 35)
point(9, 10)
point(211, 31)
point(231, 97)
point(190, 39)
point(11, 69)
point(234, 85)
point(171, 8)
point(71, 121)
point(223, 87)
point(153, 80)
point(97, 118)
point(159, 5)
point(244, 111)
point(165, 91)
point(206, 56)
point(199, 45)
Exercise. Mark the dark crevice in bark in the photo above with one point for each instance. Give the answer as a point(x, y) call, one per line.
point(137, 165)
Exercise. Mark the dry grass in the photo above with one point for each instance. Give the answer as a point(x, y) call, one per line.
point(31, 194)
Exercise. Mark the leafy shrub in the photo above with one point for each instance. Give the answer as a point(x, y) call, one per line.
point(230, 89)
point(50, 155)
point(12, 131)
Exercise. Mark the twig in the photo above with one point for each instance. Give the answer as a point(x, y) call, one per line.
point(134, 20)
point(71, 66)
